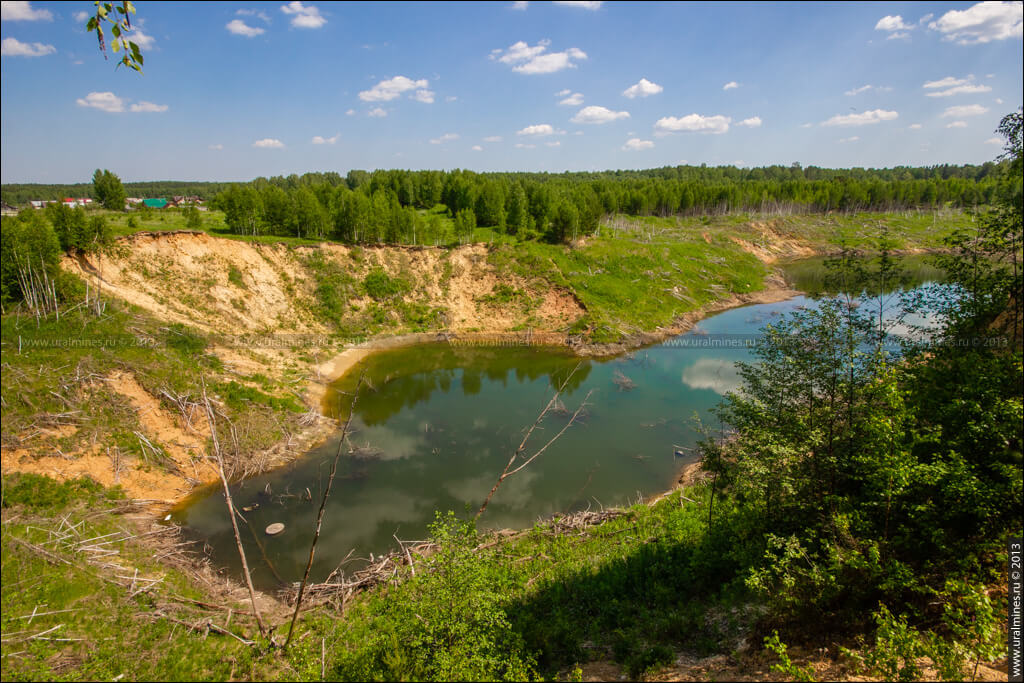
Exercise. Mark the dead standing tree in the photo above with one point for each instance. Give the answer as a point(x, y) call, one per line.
point(320, 513)
point(231, 510)
point(509, 471)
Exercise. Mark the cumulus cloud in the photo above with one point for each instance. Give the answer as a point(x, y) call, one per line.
point(731, 85)
point(994, 141)
point(957, 124)
point(424, 96)
point(964, 110)
point(598, 115)
point(240, 28)
point(81, 17)
point(915, 126)
point(539, 130)
point(592, 5)
point(892, 23)
point(573, 100)
point(447, 137)
point(269, 143)
point(898, 35)
point(863, 119)
point(521, 145)
point(216, 148)
point(143, 40)
point(23, 11)
point(556, 143)
point(492, 138)
point(304, 16)
point(321, 140)
point(636, 144)
point(104, 101)
point(477, 148)
point(392, 88)
point(350, 112)
point(642, 88)
point(982, 23)
point(850, 139)
point(149, 107)
point(12, 47)
point(694, 122)
point(378, 113)
point(752, 122)
point(527, 59)
point(520, 5)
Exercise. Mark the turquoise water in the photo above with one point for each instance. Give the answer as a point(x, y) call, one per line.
point(441, 421)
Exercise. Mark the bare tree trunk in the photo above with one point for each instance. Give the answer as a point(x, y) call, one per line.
point(320, 513)
point(231, 511)
point(508, 471)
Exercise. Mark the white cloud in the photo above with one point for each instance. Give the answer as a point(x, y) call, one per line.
point(424, 96)
point(492, 138)
point(999, 100)
point(532, 60)
point(477, 148)
point(539, 130)
point(81, 17)
point(960, 90)
point(143, 40)
point(216, 148)
point(520, 4)
point(592, 5)
point(240, 28)
point(982, 23)
point(447, 137)
point(303, 16)
point(378, 113)
point(915, 126)
point(862, 119)
point(752, 122)
point(350, 112)
point(898, 35)
point(892, 23)
point(12, 47)
point(636, 144)
point(573, 100)
point(556, 143)
point(642, 88)
point(731, 85)
point(450, 98)
point(598, 115)
point(520, 145)
point(259, 14)
point(392, 88)
point(563, 93)
point(22, 11)
point(807, 125)
point(104, 101)
point(149, 107)
point(964, 110)
point(994, 141)
point(269, 143)
point(947, 82)
point(321, 140)
point(957, 124)
point(693, 122)
point(865, 88)
point(850, 139)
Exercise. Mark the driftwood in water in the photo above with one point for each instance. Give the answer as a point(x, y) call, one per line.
point(622, 382)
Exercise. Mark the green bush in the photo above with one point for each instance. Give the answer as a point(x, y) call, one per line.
point(40, 492)
point(379, 286)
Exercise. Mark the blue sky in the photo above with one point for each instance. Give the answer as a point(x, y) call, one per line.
point(232, 91)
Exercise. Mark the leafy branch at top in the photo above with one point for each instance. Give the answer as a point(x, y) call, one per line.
point(118, 15)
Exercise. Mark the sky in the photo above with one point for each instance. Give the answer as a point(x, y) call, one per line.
point(232, 91)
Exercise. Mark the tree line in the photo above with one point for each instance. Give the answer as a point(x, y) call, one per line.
point(19, 194)
point(400, 206)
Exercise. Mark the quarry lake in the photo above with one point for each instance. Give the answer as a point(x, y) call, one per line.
point(435, 424)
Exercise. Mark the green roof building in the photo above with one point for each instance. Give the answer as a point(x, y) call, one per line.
point(155, 203)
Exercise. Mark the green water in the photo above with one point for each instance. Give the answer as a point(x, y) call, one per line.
point(440, 422)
